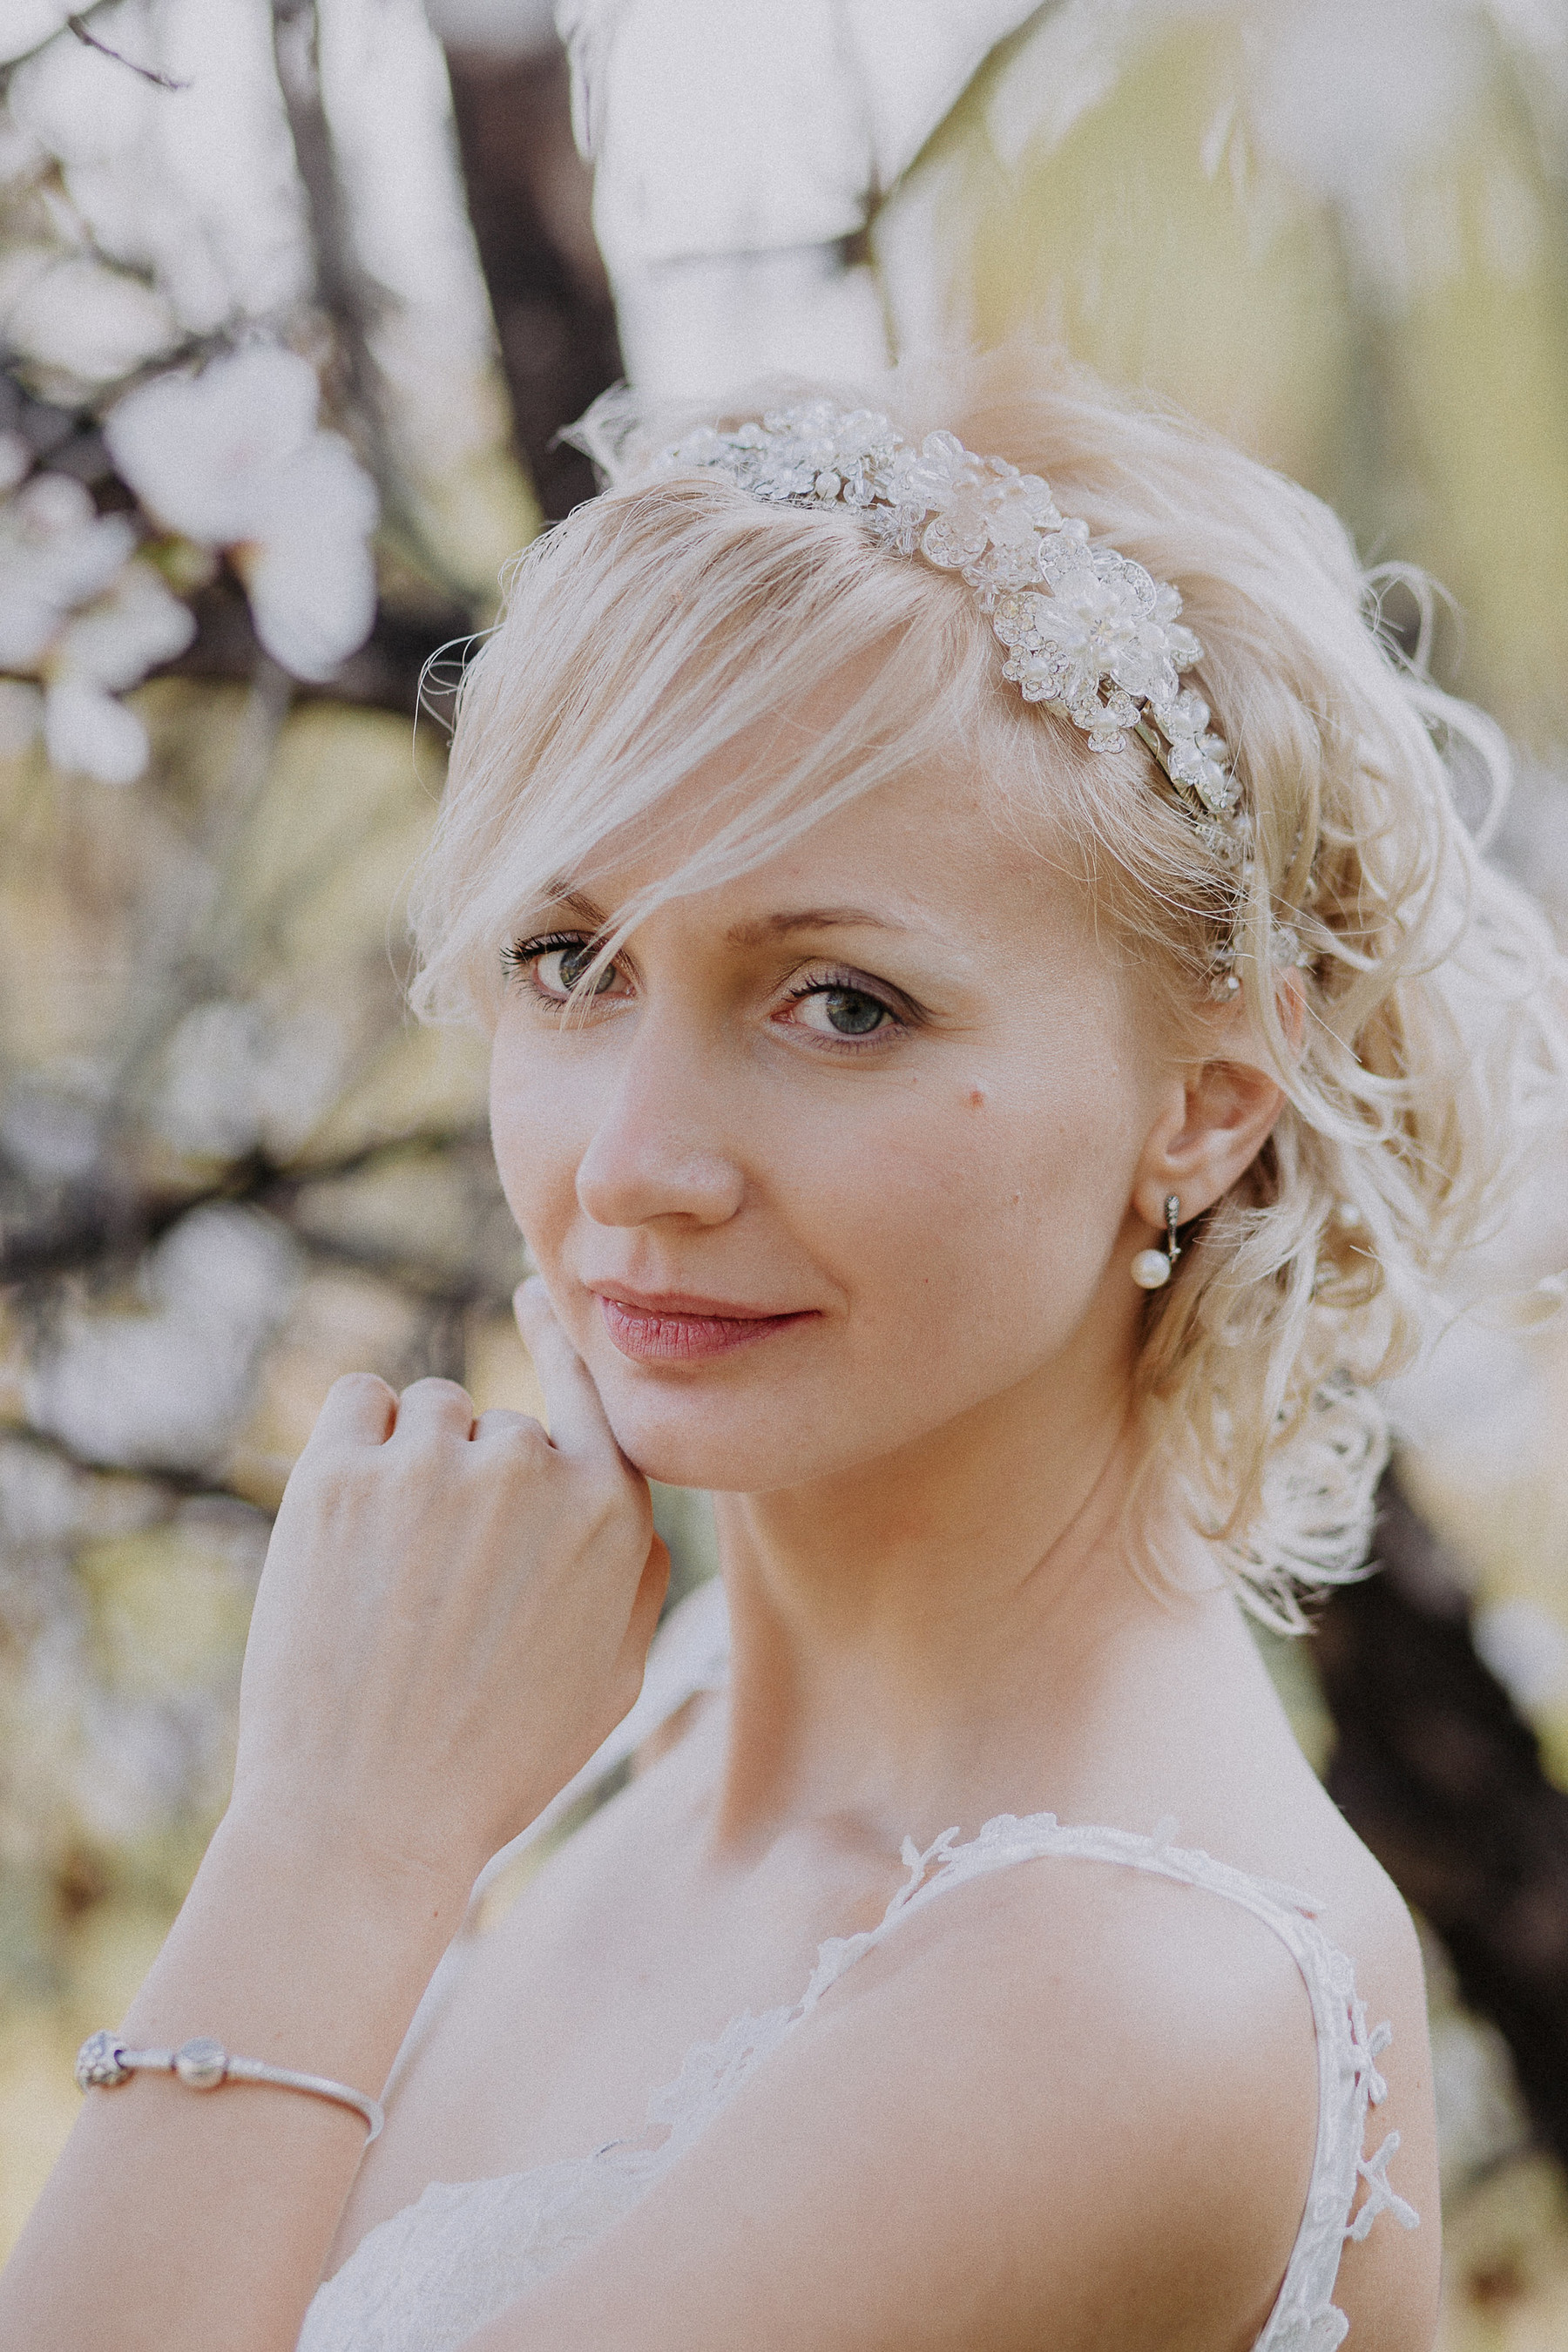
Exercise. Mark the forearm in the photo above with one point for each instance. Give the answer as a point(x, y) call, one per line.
point(433, 1583)
point(179, 2220)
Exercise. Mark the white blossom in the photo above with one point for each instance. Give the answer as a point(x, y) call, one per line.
point(194, 187)
point(25, 24)
point(241, 1078)
point(88, 733)
point(81, 612)
point(55, 552)
point(165, 1389)
point(233, 458)
point(77, 317)
point(109, 645)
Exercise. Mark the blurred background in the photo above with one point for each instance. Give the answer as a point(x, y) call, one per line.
point(294, 298)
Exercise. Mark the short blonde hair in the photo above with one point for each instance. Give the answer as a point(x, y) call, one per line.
point(647, 631)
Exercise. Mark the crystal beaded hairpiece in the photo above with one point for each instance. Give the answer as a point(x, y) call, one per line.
point(1089, 633)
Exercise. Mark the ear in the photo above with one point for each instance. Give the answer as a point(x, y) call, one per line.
point(1216, 1116)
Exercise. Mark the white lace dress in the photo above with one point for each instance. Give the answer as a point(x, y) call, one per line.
point(445, 2267)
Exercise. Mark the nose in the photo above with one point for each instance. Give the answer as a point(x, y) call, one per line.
point(656, 1150)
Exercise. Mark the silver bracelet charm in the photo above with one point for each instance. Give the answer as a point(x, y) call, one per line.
point(103, 2062)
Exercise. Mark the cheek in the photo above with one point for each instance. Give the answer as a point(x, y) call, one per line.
point(531, 1130)
point(967, 1215)
point(990, 1214)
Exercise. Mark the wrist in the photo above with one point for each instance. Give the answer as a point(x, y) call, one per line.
point(298, 1947)
point(399, 1891)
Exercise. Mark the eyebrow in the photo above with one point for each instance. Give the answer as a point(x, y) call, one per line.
point(757, 932)
point(806, 919)
point(575, 902)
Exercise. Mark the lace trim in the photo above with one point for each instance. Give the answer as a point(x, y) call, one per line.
point(437, 2272)
point(1304, 2318)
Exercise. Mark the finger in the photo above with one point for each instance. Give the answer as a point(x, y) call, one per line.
point(500, 1421)
point(358, 1411)
point(577, 1420)
point(435, 1408)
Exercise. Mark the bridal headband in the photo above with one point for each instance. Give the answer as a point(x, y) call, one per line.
point(1088, 632)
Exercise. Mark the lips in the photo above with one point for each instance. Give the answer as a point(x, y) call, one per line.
point(679, 1329)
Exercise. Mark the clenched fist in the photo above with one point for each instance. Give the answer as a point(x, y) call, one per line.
point(453, 1615)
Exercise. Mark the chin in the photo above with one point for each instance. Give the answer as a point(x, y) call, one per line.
point(680, 1442)
point(715, 1461)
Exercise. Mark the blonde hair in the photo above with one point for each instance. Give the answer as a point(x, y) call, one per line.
point(647, 631)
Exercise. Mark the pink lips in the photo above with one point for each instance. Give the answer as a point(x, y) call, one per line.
point(684, 1331)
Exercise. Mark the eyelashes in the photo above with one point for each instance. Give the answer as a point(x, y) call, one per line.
point(522, 952)
point(844, 1000)
point(574, 952)
point(841, 1010)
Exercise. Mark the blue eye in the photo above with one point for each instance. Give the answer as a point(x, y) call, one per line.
point(833, 1009)
point(851, 1014)
point(571, 963)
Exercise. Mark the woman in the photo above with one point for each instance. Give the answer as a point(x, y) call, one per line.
point(987, 1127)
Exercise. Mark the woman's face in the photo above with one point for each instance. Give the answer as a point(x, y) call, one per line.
point(843, 1150)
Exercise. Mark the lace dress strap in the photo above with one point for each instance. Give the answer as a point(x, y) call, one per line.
point(1304, 2317)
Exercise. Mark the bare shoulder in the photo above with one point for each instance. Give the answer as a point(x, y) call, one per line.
point(1145, 2054)
point(1389, 2280)
point(1284, 1825)
point(1069, 2102)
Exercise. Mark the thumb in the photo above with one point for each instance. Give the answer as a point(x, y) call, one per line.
point(578, 1425)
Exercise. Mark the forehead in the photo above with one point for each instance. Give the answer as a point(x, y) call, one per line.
point(928, 851)
point(954, 784)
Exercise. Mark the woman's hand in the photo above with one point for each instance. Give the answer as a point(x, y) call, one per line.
point(454, 1613)
point(452, 1616)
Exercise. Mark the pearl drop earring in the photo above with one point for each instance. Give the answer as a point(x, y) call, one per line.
point(1152, 1267)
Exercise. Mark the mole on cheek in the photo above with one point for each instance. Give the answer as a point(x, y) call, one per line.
point(976, 1097)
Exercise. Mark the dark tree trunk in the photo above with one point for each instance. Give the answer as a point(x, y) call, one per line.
point(1438, 1772)
point(528, 199)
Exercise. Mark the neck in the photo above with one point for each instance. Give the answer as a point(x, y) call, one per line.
point(912, 1636)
